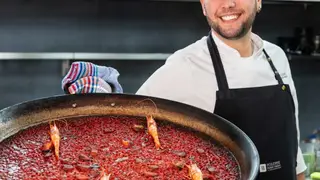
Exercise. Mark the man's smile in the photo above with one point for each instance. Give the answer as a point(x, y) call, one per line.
point(230, 17)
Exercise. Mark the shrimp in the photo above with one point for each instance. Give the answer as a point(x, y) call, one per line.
point(105, 177)
point(47, 147)
point(55, 138)
point(152, 130)
point(194, 172)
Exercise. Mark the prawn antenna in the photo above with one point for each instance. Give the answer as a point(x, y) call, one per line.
point(154, 104)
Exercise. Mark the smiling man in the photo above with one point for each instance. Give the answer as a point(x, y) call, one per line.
point(232, 72)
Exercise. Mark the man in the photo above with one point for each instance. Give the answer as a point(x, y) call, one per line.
point(234, 73)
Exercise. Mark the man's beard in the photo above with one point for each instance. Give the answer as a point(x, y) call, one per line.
point(239, 33)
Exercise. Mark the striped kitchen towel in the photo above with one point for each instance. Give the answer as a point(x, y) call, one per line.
point(86, 77)
point(89, 84)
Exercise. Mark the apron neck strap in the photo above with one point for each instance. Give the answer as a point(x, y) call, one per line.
point(276, 73)
point(219, 70)
point(217, 64)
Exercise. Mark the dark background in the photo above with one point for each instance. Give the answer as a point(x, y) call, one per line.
point(135, 27)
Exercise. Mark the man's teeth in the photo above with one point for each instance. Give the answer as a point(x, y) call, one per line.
point(231, 17)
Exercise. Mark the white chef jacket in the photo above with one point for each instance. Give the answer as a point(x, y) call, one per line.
point(188, 75)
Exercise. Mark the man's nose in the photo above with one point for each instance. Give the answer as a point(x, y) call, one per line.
point(229, 4)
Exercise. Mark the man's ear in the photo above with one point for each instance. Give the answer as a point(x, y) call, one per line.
point(259, 5)
point(203, 7)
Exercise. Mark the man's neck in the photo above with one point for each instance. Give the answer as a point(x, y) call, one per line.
point(243, 45)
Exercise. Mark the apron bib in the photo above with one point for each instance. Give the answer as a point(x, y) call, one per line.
point(266, 114)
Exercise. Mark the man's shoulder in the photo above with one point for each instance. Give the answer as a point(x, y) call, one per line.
point(279, 59)
point(195, 49)
point(273, 49)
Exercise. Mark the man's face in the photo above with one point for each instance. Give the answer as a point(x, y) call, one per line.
point(231, 19)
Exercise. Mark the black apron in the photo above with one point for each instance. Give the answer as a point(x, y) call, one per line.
point(266, 114)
